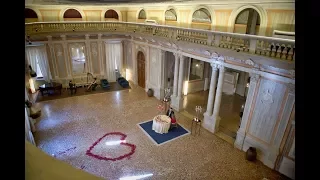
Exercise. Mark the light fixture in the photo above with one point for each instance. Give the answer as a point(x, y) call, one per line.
point(248, 84)
point(197, 65)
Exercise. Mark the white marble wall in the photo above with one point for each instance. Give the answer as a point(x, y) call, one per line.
point(156, 71)
point(266, 118)
point(95, 57)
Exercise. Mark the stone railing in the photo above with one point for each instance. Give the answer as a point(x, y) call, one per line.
point(266, 46)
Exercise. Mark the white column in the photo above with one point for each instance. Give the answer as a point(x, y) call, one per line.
point(66, 56)
point(134, 62)
point(53, 58)
point(88, 50)
point(253, 85)
point(147, 68)
point(181, 77)
point(217, 102)
point(176, 71)
point(212, 90)
point(101, 55)
point(206, 78)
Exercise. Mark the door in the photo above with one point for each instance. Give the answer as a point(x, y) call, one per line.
point(141, 69)
point(286, 161)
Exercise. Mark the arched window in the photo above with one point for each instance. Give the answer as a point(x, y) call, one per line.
point(171, 15)
point(30, 15)
point(142, 14)
point(111, 14)
point(243, 16)
point(201, 15)
point(72, 15)
point(247, 22)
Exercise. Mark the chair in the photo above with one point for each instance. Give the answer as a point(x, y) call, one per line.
point(72, 87)
point(123, 82)
point(105, 84)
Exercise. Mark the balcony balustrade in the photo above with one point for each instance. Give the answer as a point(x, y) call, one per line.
point(260, 45)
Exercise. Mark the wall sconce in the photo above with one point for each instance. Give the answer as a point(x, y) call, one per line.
point(248, 84)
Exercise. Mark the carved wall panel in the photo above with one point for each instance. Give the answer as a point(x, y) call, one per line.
point(128, 54)
point(95, 57)
point(155, 69)
point(59, 54)
point(265, 115)
point(50, 61)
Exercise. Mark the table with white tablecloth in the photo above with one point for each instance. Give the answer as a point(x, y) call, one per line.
point(161, 124)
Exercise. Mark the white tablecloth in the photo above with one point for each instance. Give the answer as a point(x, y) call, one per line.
point(161, 124)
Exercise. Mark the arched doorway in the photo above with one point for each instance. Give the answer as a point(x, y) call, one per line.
point(141, 69)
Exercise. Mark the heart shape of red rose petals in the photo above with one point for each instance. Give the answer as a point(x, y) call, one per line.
point(122, 137)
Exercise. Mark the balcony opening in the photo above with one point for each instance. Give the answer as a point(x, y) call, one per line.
point(30, 16)
point(247, 22)
point(72, 15)
point(111, 15)
point(171, 17)
point(142, 14)
point(201, 19)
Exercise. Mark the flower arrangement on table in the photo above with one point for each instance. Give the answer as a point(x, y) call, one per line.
point(158, 119)
point(160, 108)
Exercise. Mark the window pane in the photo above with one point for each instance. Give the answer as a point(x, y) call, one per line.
point(78, 58)
point(39, 73)
point(196, 70)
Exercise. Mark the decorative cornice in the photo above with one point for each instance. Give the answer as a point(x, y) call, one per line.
point(279, 71)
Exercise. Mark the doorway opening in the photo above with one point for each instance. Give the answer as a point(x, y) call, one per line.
point(234, 93)
point(196, 87)
point(141, 69)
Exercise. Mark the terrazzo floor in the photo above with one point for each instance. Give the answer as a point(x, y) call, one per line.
point(69, 126)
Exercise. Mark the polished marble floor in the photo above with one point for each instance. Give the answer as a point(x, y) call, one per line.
point(69, 126)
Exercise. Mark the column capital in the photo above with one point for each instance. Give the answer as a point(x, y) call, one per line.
point(214, 66)
point(221, 67)
point(220, 58)
point(87, 36)
point(63, 37)
point(49, 38)
point(254, 77)
point(176, 55)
